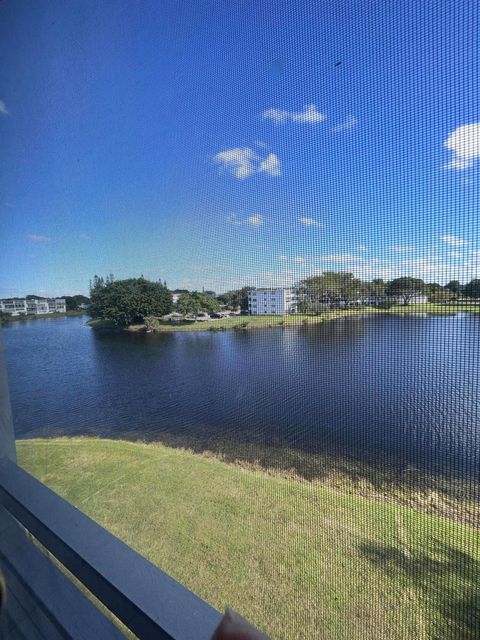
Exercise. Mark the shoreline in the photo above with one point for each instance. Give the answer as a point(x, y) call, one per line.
point(247, 323)
point(42, 316)
point(453, 498)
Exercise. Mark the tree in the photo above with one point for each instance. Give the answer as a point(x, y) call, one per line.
point(405, 288)
point(318, 292)
point(188, 304)
point(72, 303)
point(472, 289)
point(436, 293)
point(236, 298)
point(376, 288)
point(128, 301)
point(195, 302)
point(455, 287)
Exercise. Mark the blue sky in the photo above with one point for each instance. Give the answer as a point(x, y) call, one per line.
point(230, 143)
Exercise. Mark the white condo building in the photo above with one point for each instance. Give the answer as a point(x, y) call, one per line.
point(271, 302)
point(24, 307)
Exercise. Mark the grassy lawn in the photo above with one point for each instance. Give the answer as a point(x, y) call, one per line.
point(244, 322)
point(300, 559)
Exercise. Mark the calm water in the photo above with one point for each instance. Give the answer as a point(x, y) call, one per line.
point(402, 389)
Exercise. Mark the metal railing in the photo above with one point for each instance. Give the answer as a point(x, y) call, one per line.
point(146, 600)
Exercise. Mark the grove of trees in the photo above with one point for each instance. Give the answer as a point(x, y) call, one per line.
point(236, 298)
point(405, 288)
point(73, 302)
point(196, 302)
point(472, 289)
point(317, 292)
point(129, 301)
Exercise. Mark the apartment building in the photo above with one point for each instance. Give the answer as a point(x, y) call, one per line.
point(34, 306)
point(272, 301)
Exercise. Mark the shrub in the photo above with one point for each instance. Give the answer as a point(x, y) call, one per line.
point(152, 323)
point(242, 325)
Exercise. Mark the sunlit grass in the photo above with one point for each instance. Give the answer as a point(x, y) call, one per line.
point(300, 559)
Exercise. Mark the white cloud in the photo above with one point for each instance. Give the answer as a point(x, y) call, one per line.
point(85, 236)
point(270, 165)
point(3, 108)
point(349, 123)
point(242, 162)
point(403, 249)
point(34, 237)
point(255, 221)
point(310, 115)
point(283, 258)
point(309, 222)
point(299, 260)
point(465, 144)
point(454, 241)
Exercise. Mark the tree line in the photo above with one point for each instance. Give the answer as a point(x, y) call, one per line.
point(332, 286)
point(133, 300)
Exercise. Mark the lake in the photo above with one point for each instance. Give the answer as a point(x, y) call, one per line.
point(403, 390)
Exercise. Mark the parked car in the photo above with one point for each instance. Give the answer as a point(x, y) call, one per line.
point(202, 317)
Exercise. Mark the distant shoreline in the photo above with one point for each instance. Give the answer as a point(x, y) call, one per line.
point(41, 316)
point(246, 323)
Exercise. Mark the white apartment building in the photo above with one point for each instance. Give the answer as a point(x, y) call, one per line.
point(24, 307)
point(271, 301)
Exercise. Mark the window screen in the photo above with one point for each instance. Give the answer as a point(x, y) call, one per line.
point(240, 285)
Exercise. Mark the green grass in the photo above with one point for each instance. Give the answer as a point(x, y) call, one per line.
point(300, 559)
point(264, 322)
point(98, 323)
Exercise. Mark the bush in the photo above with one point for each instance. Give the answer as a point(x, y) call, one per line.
point(152, 323)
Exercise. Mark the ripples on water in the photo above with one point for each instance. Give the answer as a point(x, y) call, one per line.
point(403, 390)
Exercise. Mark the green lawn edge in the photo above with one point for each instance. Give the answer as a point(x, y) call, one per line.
point(294, 320)
point(300, 559)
